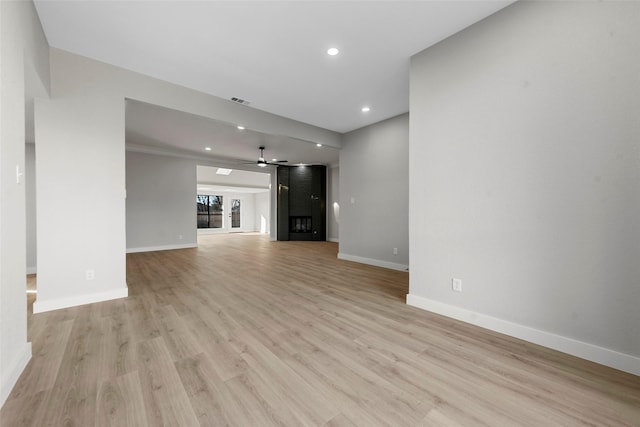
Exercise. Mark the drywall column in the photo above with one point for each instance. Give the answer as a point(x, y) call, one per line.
point(22, 52)
point(81, 199)
point(80, 162)
point(525, 177)
point(14, 349)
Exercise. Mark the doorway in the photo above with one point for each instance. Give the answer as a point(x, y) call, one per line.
point(232, 200)
point(235, 215)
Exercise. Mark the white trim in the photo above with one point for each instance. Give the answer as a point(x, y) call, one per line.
point(162, 248)
point(40, 306)
point(32, 270)
point(12, 373)
point(594, 353)
point(371, 261)
point(333, 239)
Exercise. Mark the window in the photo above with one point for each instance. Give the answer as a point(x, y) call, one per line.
point(209, 211)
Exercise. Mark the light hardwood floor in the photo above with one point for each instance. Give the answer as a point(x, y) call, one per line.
point(247, 332)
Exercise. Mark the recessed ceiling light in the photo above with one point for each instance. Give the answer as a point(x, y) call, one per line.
point(318, 145)
point(207, 148)
point(240, 127)
point(333, 51)
point(223, 171)
point(366, 109)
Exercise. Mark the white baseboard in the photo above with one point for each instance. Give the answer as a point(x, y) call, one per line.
point(209, 231)
point(11, 374)
point(32, 270)
point(594, 353)
point(40, 306)
point(371, 261)
point(161, 248)
point(333, 239)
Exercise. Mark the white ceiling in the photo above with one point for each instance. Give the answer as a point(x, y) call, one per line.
point(272, 53)
point(151, 127)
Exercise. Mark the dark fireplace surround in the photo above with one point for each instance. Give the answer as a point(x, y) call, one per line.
point(301, 202)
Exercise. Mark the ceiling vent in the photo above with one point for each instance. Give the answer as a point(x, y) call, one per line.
point(240, 101)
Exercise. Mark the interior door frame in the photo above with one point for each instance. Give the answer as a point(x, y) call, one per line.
point(230, 228)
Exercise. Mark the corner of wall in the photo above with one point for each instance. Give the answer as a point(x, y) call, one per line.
point(11, 374)
point(374, 262)
point(40, 306)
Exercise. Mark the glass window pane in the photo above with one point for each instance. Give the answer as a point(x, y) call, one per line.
point(203, 221)
point(202, 202)
point(235, 213)
point(209, 210)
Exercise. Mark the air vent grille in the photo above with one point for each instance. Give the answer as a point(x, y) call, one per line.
point(240, 101)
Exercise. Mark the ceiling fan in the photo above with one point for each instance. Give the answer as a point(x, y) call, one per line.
point(262, 162)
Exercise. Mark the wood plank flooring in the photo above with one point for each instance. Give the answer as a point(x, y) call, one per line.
point(247, 332)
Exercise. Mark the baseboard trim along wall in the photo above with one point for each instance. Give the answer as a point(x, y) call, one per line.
point(601, 355)
point(10, 375)
point(32, 270)
point(55, 304)
point(333, 239)
point(375, 262)
point(161, 248)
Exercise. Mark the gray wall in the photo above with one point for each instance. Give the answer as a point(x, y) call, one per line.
point(524, 175)
point(30, 199)
point(161, 202)
point(374, 194)
point(262, 216)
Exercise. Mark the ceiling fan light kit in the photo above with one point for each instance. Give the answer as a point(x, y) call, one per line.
point(263, 163)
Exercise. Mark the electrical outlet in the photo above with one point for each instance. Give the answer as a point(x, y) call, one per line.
point(179, 236)
point(456, 285)
point(395, 251)
point(90, 274)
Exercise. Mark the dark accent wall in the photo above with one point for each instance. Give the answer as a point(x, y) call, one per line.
point(302, 202)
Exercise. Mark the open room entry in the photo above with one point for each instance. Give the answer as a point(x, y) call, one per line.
point(232, 201)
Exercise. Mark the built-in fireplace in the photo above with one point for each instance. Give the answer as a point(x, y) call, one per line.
point(300, 224)
point(301, 202)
